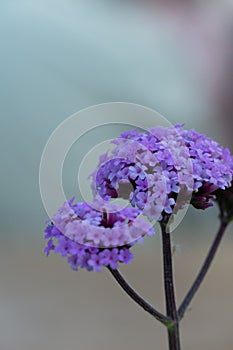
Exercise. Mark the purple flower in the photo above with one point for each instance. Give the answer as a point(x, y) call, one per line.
point(125, 256)
point(50, 246)
point(182, 161)
point(73, 260)
point(168, 206)
point(95, 262)
point(110, 258)
point(94, 236)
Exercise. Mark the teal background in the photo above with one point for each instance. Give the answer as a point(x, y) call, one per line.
point(58, 57)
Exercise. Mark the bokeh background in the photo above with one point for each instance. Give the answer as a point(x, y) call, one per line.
point(58, 57)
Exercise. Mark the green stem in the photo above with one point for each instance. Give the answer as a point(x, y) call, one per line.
point(173, 336)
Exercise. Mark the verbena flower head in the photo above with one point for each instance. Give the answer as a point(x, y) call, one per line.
point(158, 172)
point(95, 236)
point(167, 167)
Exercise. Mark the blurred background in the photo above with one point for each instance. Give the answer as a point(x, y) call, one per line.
point(57, 57)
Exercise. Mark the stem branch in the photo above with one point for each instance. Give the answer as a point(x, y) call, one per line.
point(137, 298)
point(204, 269)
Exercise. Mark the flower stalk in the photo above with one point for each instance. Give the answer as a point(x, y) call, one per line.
point(204, 269)
point(169, 288)
point(137, 298)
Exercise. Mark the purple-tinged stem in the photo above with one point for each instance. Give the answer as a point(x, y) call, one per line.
point(173, 329)
point(204, 269)
point(137, 298)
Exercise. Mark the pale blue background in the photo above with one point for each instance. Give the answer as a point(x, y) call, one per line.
point(58, 57)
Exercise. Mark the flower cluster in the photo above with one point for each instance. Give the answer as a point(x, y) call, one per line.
point(96, 236)
point(162, 164)
point(158, 172)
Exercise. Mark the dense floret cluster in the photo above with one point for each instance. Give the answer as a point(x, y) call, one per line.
point(95, 236)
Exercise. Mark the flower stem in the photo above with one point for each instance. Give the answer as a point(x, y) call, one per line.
point(138, 299)
point(173, 329)
point(204, 269)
